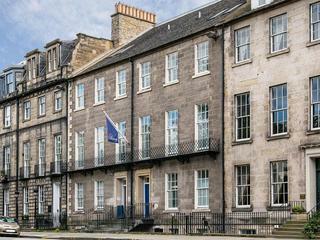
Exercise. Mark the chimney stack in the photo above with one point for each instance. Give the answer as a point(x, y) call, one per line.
point(128, 22)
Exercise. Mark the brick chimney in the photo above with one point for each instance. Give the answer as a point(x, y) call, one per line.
point(128, 22)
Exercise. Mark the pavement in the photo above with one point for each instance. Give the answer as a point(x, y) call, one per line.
point(124, 236)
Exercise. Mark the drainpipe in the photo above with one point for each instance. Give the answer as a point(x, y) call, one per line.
point(132, 132)
point(17, 159)
point(67, 149)
point(222, 134)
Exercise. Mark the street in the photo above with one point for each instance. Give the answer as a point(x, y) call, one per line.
point(109, 236)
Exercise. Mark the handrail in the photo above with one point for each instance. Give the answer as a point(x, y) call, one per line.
point(313, 210)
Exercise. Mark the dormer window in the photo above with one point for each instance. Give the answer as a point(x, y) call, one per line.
point(32, 68)
point(10, 83)
point(259, 3)
point(52, 59)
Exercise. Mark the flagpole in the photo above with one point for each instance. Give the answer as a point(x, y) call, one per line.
point(114, 125)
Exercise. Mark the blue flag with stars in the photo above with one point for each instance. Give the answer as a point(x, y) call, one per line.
point(112, 132)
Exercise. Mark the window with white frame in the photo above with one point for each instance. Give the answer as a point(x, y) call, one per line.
point(315, 102)
point(145, 75)
point(29, 64)
point(40, 200)
point(42, 156)
point(242, 116)
point(6, 202)
point(172, 191)
point(202, 126)
point(99, 195)
point(80, 96)
point(202, 57)
point(7, 116)
point(10, 83)
point(171, 132)
point(145, 132)
point(243, 186)
point(202, 189)
point(121, 88)
point(315, 21)
point(121, 146)
point(7, 160)
point(242, 41)
point(172, 68)
point(79, 149)
point(79, 199)
point(279, 109)
point(54, 59)
point(27, 110)
point(99, 146)
point(42, 106)
point(50, 61)
point(26, 159)
point(99, 90)
point(57, 101)
point(19, 77)
point(34, 68)
point(279, 183)
point(25, 201)
point(57, 153)
point(279, 33)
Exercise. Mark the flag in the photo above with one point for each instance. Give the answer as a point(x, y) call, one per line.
point(112, 131)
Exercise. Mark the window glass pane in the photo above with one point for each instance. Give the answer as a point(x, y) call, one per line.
point(279, 26)
point(243, 116)
point(279, 110)
point(279, 182)
point(243, 185)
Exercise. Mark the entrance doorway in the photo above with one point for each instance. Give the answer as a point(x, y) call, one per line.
point(146, 196)
point(56, 204)
point(122, 196)
point(318, 180)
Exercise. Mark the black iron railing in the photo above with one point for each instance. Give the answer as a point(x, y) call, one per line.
point(5, 175)
point(25, 172)
point(127, 217)
point(44, 221)
point(40, 170)
point(58, 167)
point(181, 150)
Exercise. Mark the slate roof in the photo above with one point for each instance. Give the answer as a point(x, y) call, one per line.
point(180, 27)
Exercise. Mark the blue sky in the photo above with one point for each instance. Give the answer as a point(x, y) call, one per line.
point(29, 24)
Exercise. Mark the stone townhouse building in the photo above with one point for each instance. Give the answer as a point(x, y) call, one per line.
point(163, 89)
point(272, 106)
point(33, 136)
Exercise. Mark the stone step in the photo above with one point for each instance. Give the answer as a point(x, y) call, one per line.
point(281, 232)
point(289, 229)
point(296, 222)
point(289, 236)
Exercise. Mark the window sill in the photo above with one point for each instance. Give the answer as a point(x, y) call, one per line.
point(57, 111)
point(144, 91)
point(79, 212)
point(41, 116)
point(175, 210)
point(7, 127)
point(171, 83)
point(26, 120)
point(202, 74)
point(199, 209)
point(98, 104)
point(274, 54)
point(313, 43)
point(79, 109)
point(241, 142)
point(312, 132)
point(120, 97)
point(276, 208)
point(249, 61)
point(242, 209)
point(276, 137)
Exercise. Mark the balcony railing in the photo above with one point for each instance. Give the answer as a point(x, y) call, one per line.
point(181, 150)
point(25, 172)
point(57, 167)
point(40, 170)
point(5, 175)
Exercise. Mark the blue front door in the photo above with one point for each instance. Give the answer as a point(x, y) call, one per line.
point(146, 199)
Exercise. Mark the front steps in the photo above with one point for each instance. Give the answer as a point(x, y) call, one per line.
point(292, 229)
